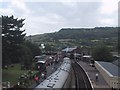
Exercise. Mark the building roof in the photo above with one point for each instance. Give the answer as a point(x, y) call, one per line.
point(69, 49)
point(110, 68)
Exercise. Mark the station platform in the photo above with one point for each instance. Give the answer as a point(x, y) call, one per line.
point(91, 71)
point(50, 69)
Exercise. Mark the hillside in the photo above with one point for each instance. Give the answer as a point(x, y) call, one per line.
point(79, 36)
point(82, 33)
point(78, 33)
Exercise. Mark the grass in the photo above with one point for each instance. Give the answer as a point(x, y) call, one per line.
point(12, 74)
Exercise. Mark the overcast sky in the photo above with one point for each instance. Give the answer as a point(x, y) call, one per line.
point(44, 17)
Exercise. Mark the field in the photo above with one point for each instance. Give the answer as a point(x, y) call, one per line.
point(12, 74)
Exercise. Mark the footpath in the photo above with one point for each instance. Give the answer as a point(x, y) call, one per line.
point(91, 71)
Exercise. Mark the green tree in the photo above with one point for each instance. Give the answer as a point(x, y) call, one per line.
point(12, 37)
point(49, 48)
point(102, 53)
point(25, 55)
point(34, 48)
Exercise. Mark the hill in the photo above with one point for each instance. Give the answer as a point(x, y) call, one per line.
point(79, 36)
point(79, 33)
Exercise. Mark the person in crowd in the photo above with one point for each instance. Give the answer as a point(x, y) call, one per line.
point(36, 79)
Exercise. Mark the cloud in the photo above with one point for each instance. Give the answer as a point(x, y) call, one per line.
point(108, 13)
point(19, 5)
point(107, 21)
point(50, 18)
point(6, 11)
point(109, 6)
point(45, 17)
point(69, 3)
point(43, 24)
point(14, 7)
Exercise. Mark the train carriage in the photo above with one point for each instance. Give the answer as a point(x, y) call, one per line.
point(61, 78)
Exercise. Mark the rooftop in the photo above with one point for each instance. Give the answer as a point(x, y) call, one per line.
point(69, 49)
point(111, 68)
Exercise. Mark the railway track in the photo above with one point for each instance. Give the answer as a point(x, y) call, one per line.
point(82, 81)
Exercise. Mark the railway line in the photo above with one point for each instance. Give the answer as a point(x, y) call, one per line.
point(81, 79)
point(61, 78)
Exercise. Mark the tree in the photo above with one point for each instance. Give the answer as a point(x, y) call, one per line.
point(25, 55)
point(49, 48)
point(12, 37)
point(102, 53)
point(35, 50)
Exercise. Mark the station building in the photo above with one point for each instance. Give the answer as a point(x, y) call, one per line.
point(68, 51)
point(110, 72)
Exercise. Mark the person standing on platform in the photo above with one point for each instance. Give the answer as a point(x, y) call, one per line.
point(96, 75)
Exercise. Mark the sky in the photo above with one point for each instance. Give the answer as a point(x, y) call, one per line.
point(46, 16)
